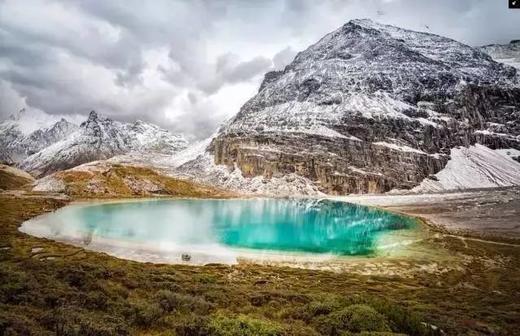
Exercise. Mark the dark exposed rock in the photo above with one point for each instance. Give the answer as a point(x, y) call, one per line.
point(370, 108)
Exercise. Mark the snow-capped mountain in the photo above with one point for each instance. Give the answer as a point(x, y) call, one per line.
point(370, 108)
point(504, 53)
point(18, 142)
point(149, 137)
point(100, 138)
point(9, 133)
point(45, 137)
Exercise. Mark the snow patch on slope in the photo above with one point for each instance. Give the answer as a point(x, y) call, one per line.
point(205, 171)
point(190, 153)
point(507, 53)
point(399, 148)
point(475, 167)
point(161, 161)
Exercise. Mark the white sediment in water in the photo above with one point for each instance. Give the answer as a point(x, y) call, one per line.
point(170, 243)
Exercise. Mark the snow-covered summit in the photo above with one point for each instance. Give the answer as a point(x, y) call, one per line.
point(365, 66)
point(100, 138)
point(327, 113)
point(17, 142)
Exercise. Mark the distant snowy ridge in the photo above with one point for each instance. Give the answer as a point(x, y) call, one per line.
point(504, 53)
point(21, 137)
point(100, 138)
point(475, 167)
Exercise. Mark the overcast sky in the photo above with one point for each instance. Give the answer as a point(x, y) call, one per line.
point(189, 65)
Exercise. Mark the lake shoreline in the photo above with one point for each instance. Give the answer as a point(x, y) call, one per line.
point(388, 244)
point(464, 287)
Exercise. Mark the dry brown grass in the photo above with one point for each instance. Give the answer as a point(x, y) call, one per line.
point(12, 178)
point(130, 181)
point(80, 292)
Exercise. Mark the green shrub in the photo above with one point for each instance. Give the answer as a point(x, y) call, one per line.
point(145, 314)
point(193, 326)
point(168, 300)
point(318, 308)
point(207, 279)
point(14, 287)
point(243, 326)
point(378, 333)
point(314, 309)
point(96, 301)
point(58, 320)
point(258, 300)
point(12, 324)
point(402, 319)
point(76, 278)
point(355, 318)
point(98, 327)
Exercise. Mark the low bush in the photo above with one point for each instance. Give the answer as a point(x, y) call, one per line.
point(170, 301)
point(96, 301)
point(243, 325)
point(145, 314)
point(192, 325)
point(13, 324)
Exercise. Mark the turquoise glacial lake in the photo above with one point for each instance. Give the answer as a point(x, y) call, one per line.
point(163, 230)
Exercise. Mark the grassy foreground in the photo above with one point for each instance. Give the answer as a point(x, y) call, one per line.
point(49, 288)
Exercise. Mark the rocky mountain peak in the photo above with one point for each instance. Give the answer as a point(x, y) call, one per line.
point(92, 115)
point(63, 126)
point(98, 138)
point(367, 95)
point(359, 24)
point(92, 119)
point(99, 126)
point(142, 125)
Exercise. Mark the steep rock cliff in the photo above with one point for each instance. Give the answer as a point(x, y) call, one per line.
point(370, 108)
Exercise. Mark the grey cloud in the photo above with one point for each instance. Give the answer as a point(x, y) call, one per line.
point(246, 70)
point(283, 58)
point(210, 77)
point(198, 123)
point(73, 56)
point(10, 100)
point(130, 76)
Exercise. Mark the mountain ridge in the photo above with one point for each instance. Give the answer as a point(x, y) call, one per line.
point(17, 143)
point(504, 53)
point(370, 108)
point(99, 138)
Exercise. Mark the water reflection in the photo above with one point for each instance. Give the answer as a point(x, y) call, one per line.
point(269, 224)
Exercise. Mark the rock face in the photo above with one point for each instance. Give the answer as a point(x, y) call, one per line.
point(44, 137)
point(370, 108)
point(100, 138)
